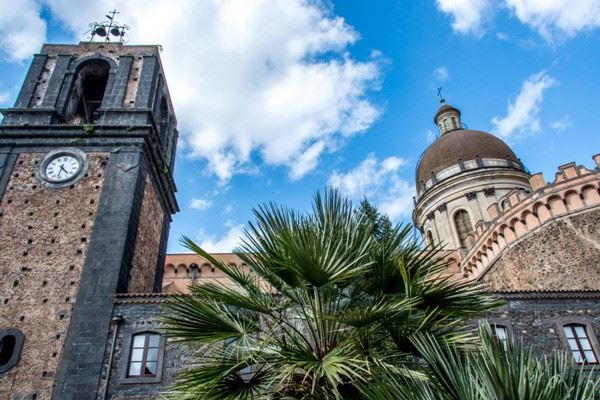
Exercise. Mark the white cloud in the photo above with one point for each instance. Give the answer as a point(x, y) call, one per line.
point(222, 244)
point(522, 113)
point(562, 124)
point(555, 18)
point(200, 204)
point(441, 74)
point(4, 97)
point(552, 19)
point(22, 30)
point(468, 16)
point(379, 182)
point(266, 78)
point(502, 36)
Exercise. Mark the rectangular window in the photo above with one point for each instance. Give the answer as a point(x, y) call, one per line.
point(143, 359)
point(502, 335)
point(579, 344)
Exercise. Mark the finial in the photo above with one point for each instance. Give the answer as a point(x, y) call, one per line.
point(105, 29)
point(442, 100)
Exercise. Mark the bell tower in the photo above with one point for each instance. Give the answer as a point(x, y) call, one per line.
point(86, 198)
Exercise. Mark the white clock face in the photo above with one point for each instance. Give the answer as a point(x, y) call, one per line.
point(62, 168)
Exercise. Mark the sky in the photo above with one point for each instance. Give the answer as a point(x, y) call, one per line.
point(277, 99)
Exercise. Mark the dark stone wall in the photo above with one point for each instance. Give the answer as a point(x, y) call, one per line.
point(533, 320)
point(140, 313)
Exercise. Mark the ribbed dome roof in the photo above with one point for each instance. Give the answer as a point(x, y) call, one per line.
point(458, 145)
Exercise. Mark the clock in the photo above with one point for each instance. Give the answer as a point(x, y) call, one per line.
point(60, 168)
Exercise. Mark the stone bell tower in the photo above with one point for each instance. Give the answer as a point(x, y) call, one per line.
point(86, 198)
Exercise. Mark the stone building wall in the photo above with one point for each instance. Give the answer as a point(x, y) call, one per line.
point(140, 314)
point(535, 319)
point(147, 243)
point(562, 255)
point(48, 231)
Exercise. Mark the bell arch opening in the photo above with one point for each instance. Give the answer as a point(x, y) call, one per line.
point(88, 92)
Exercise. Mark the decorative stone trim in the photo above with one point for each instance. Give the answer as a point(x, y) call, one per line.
point(575, 189)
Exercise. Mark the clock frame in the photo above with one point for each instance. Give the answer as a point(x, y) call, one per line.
point(46, 181)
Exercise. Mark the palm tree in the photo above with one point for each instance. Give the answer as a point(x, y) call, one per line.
point(327, 308)
point(488, 372)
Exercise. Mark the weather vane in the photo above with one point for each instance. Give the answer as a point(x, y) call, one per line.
point(442, 100)
point(110, 28)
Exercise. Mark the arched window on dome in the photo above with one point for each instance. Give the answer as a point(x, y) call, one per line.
point(463, 226)
point(454, 125)
point(429, 238)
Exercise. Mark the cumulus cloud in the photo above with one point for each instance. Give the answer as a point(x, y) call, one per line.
point(555, 18)
point(380, 182)
point(22, 30)
point(200, 204)
point(522, 113)
point(262, 80)
point(441, 74)
point(468, 16)
point(562, 124)
point(552, 19)
point(225, 243)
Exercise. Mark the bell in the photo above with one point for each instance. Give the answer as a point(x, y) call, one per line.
point(100, 31)
point(115, 32)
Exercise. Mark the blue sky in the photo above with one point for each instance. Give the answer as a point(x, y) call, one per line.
point(277, 99)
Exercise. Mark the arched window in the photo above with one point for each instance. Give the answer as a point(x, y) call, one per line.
point(143, 358)
point(429, 236)
point(579, 343)
point(454, 123)
point(11, 343)
point(463, 225)
point(88, 92)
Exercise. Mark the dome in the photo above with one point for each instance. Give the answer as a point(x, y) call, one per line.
point(460, 145)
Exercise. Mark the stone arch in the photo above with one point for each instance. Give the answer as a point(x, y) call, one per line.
point(181, 269)
point(169, 269)
point(206, 267)
point(518, 226)
point(507, 233)
point(557, 205)
point(86, 87)
point(542, 212)
point(531, 221)
point(573, 200)
point(590, 195)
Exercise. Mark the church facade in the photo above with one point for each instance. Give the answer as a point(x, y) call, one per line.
point(87, 194)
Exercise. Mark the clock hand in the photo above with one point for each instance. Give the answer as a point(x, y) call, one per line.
point(59, 171)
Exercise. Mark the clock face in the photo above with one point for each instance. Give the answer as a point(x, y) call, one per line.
point(62, 168)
